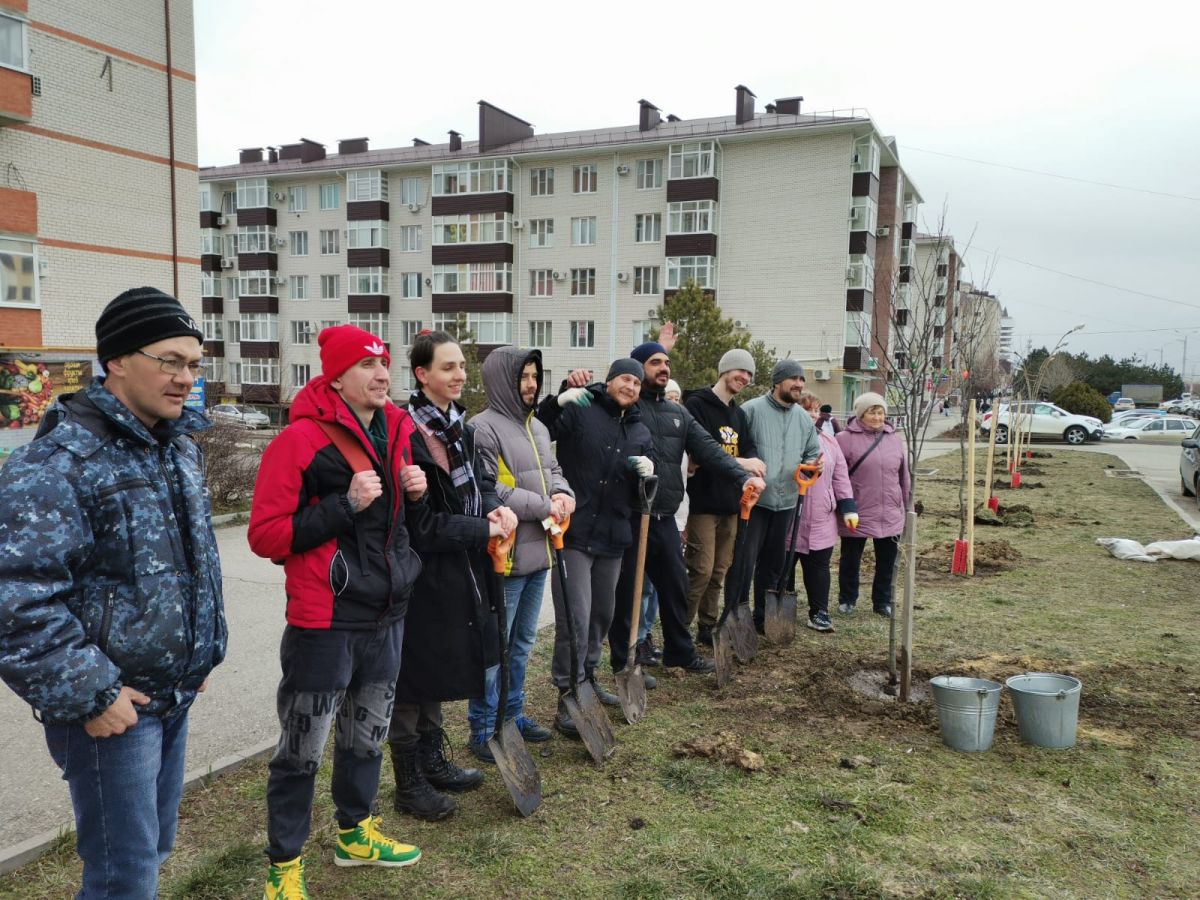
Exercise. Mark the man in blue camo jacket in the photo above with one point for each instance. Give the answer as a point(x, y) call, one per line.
point(111, 614)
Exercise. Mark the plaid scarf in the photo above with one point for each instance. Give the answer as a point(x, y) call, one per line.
point(449, 430)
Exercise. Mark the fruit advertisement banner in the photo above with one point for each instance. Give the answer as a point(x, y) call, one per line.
point(29, 386)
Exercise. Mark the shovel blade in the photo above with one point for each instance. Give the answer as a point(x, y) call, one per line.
point(517, 769)
point(723, 651)
point(631, 688)
point(592, 721)
point(780, 620)
point(746, 646)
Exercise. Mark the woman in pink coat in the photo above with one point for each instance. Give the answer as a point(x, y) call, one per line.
point(879, 476)
point(816, 535)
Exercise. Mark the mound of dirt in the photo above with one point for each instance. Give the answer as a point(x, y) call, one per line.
point(723, 747)
point(1018, 515)
point(991, 558)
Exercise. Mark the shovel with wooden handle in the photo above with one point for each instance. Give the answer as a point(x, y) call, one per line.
point(724, 631)
point(516, 766)
point(631, 681)
point(780, 619)
point(581, 701)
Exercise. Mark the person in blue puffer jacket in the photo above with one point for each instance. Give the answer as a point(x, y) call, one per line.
point(111, 614)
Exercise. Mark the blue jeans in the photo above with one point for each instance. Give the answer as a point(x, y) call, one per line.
point(649, 609)
point(125, 791)
point(523, 603)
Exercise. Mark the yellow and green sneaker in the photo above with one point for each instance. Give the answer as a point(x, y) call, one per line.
point(364, 845)
point(285, 881)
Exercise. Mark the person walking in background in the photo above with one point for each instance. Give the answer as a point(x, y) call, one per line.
point(826, 422)
point(514, 448)
point(827, 501)
point(111, 613)
point(877, 463)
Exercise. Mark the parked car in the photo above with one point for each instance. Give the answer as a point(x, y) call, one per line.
point(1132, 415)
point(1189, 466)
point(234, 414)
point(1043, 420)
point(1124, 403)
point(1161, 430)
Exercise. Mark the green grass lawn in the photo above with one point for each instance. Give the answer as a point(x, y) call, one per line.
point(1117, 815)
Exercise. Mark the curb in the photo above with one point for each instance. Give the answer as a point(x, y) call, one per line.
point(31, 848)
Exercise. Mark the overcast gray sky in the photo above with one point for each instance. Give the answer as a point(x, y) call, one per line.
point(1097, 92)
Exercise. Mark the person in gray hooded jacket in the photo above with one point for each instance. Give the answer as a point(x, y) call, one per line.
point(514, 446)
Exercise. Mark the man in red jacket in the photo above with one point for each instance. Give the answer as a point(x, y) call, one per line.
point(335, 499)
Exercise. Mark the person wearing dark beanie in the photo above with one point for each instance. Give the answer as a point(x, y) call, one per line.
point(624, 366)
point(643, 352)
point(138, 317)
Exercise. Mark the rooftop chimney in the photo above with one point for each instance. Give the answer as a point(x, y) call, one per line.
point(745, 104)
point(352, 145)
point(272, 155)
point(648, 117)
point(250, 155)
point(417, 142)
point(455, 141)
point(671, 117)
point(311, 151)
point(770, 109)
point(789, 106)
point(290, 151)
point(497, 127)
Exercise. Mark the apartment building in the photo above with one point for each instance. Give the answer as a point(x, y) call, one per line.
point(97, 175)
point(563, 241)
point(979, 323)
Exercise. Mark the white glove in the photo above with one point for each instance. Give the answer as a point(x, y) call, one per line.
point(851, 520)
point(579, 396)
point(642, 465)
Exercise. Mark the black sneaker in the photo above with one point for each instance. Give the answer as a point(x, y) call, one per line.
point(885, 610)
point(819, 621)
point(700, 665)
point(481, 751)
point(608, 698)
point(532, 731)
point(704, 636)
point(562, 720)
point(846, 609)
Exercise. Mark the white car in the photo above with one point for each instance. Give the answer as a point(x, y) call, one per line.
point(1160, 430)
point(1124, 403)
point(233, 414)
point(1044, 420)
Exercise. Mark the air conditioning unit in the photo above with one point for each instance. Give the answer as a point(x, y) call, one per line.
point(220, 221)
point(821, 374)
point(883, 231)
point(280, 279)
point(517, 224)
point(280, 242)
point(622, 277)
point(227, 263)
point(280, 196)
point(414, 207)
point(871, 364)
point(558, 276)
point(622, 170)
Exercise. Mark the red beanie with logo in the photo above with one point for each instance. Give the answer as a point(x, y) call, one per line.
point(344, 345)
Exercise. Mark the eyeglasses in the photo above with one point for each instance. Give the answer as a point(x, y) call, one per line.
point(174, 366)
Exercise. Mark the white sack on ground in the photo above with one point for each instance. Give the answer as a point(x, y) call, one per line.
point(1124, 548)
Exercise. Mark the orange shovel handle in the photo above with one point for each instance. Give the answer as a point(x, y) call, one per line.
point(750, 495)
point(498, 548)
point(814, 472)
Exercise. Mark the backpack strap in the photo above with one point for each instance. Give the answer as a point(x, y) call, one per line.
point(350, 449)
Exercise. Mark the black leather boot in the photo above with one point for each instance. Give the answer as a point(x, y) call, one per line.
point(414, 795)
point(439, 770)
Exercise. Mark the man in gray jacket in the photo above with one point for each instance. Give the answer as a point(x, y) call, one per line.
point(515, 447)
point(784, 435)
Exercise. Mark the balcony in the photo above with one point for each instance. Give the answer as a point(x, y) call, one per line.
point(16, 96)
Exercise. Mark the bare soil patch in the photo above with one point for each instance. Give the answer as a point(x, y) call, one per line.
point(991, 558)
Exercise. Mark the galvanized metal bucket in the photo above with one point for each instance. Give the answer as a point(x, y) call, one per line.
point(1047, 707)
point(966, 709)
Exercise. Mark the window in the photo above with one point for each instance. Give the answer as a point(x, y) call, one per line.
point(541, 182)
point(210, 241)
point(693, 159)
point(228, 203)
point(541, 232)
point(328, 323)
point(689, 217)
point(298, 287)
point(18, 273)
point(260, 371)
point(298, 243)
point(700, 269)
point(488, 328)
point(260, 327)
point(409, 329)
point(472, 278)
point(858, 329)
point(231, 287)
point(410, 285)
point(297, 199)
point(474, 228)
point(369, 280)
point(331, 196)
point(864, 213)
point(410, 238)
point(583, 231)
point(642, 329)
point(541, 283)
point(368, 233)
point(213, 329)
point(231, 244)
point(907, 251)
point(251, 193)
point(256, 283)
point(14, 49)
point(331, 288)
point(647, 228)
point(645, 279)
point(301, 374)
point(541, 334)
point(649, 174)
point(583, 334)
point(208, 196)
point(234, 372)
point(910, 210)
point(302, 332)
point(329, 242)
point(583, 179)
point(215, 370)
point(866, 155)
point(861, 272)
point(583, 282)
point(210, 285)
point(375, 323)
point(412, 192)
point(256, 239)
point(483, 177)
point(366, 184)
point(233, 328)
point(404, 379)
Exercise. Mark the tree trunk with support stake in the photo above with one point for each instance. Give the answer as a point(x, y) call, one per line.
point(971, 489)
point(910, 590)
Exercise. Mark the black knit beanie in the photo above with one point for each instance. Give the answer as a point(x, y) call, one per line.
point(625, 366)
point(138, 317)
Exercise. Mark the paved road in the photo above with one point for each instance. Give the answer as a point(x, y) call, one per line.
point(237, 713)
